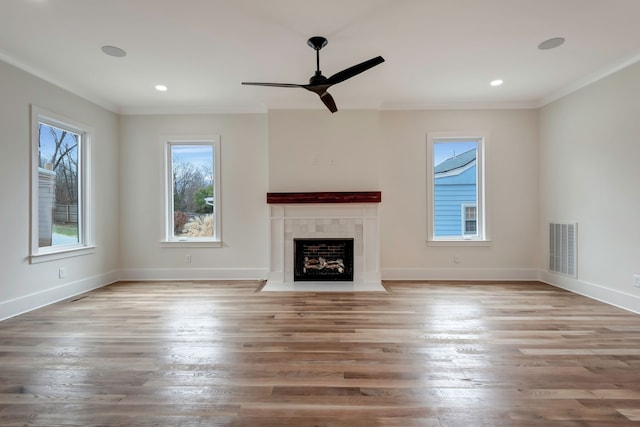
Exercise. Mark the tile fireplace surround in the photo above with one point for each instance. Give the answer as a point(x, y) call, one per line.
point(324, 215)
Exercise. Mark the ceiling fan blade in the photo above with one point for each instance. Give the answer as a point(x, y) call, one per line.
point(329, 102)
point(272, 84)
point(354, 71)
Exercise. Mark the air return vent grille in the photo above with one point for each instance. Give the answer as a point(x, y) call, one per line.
point(562, 247)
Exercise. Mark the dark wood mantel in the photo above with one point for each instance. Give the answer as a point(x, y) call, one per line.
point(326, 197)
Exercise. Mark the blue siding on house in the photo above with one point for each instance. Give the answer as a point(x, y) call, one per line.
point(450, 193)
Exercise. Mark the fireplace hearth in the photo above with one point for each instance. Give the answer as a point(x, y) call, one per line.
point(323, 259)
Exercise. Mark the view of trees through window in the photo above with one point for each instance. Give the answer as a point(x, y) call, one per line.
point(58, 186)
point(192, 176)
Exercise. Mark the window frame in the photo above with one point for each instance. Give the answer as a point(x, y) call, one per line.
point(168, 238)
point(85, 243)
point(482, 223)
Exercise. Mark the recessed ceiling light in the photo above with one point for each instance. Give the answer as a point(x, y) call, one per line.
point(114, 51)
point(551, 43)
point(161, 88)
point(496, 82)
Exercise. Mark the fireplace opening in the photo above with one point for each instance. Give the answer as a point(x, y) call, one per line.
point(323, 260)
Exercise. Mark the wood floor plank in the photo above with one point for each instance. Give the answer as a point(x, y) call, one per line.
point(221, 353)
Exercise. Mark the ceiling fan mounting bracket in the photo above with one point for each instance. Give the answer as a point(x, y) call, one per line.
point(317, 42)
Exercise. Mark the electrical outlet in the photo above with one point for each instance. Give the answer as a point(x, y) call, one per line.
point(636, 280)
point(61, 273)
point(187, 259)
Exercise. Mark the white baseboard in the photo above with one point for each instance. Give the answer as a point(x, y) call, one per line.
point(594, 291)
point(591, 290)
point(40, 299)
point(36, 300)
point(193, 274)
point(521, 274)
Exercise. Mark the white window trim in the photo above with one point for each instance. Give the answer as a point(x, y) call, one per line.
point(86, 243)
point(168, 240)
point(481, 160)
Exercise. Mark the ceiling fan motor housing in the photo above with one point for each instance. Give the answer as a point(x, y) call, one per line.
point(317, 79)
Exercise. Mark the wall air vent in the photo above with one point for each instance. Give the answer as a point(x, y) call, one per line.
point(562, 248)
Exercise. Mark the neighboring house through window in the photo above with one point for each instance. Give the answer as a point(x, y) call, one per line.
point(456, 188)
point(193, 190)
point(61, 217)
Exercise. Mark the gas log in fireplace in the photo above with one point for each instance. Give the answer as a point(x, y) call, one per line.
point(323, 260)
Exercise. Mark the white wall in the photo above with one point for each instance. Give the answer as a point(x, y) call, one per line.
point(589, 173)
point(576, 159)
point(25, 286)
point(314, 150)
point(511, 196)
point(243, 196)
point(387, 151)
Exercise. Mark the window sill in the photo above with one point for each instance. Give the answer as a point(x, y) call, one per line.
point(61, 254)
point(459, 242)
point(191, 244)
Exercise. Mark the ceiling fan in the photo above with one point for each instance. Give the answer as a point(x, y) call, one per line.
point(318, 83)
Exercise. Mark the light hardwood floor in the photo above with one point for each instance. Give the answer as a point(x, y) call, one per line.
point(222, 354)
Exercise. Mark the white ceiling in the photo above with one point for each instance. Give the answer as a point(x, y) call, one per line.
point(439, 53)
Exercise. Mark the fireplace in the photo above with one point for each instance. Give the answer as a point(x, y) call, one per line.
point(323, 260)
point(313, 216)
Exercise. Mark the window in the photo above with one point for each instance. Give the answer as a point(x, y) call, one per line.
point(456, 188)
point(470, 219)
point(193, 191)
point(60, 190)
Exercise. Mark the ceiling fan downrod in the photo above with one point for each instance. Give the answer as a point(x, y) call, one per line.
point(317, 43)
